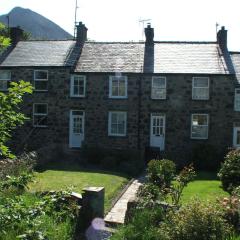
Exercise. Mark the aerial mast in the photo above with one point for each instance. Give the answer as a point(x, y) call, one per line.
point(143, 21)
point(75, 19)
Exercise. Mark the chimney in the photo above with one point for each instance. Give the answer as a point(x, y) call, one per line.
point(81, 34)
point(149, 33)
point(222, 38)
point(16, 34)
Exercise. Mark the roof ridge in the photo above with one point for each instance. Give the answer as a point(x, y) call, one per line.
point(47, 40)
point(190, 42)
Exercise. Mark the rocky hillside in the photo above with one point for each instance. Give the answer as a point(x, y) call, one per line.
point(38, 26)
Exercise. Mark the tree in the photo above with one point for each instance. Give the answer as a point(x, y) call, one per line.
point(4, 39)
point(10, 115)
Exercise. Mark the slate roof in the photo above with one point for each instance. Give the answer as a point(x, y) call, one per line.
point(167, 57)
point(39, 53)
point(111, 57)
point(129, 57)
point(235, 56)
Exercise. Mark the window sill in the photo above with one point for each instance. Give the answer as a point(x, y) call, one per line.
point(77, 96)
point(114, 136)
point(198, 99)
point(193, 138)
point(112, 97)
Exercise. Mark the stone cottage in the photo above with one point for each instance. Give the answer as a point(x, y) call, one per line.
point(167, 96)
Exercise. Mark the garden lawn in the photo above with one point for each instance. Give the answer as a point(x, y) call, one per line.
point(79, 179)
point(205, 187)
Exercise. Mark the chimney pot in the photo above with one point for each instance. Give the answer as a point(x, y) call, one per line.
point(149, 33)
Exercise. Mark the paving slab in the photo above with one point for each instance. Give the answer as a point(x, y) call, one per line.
point(117, 214)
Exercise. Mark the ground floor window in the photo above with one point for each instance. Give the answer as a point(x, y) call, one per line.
point(236, 137)
point(117, 123)
point(40, 112)
point(199, 126)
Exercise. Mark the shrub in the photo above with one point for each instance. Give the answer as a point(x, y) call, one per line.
point(198, 221)
point(229, 173)
point(161, 172)
point(143, 226)
point(205, 157)
point(15, 167)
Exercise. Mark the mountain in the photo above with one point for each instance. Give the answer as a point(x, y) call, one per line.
point(34, 23)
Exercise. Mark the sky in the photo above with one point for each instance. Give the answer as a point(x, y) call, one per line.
point(111, 20)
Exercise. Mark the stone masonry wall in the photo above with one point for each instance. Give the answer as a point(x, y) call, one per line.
point(177, 108)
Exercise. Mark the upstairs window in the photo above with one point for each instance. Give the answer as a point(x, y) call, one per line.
point(237, 100)
point(78, 85)
point(118, 87)
point(158, 88)
point(5, 77)
point(199, 128)
point(41, 80)
point(200, 88)
point(40, 112)
point(117, 123)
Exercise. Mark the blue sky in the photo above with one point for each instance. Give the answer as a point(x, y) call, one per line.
point(111, 20)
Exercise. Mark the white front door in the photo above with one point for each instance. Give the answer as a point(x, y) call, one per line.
point(76, 128)
point(236, 137)
point(157, 131)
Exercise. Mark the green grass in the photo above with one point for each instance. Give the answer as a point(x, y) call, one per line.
point(205, 187)
point(79, 178)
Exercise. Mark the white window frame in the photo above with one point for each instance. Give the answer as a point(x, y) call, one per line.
point(199, 114)
point(235, 145)
point(7, 80)
point(236, 100)
point(39, 114)
point(165, 87)
point(110, 87)
point(72, 86)
point(193, 87)
point(110, 124)
point(40, 80)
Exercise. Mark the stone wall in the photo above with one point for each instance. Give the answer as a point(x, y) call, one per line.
point(177, 108)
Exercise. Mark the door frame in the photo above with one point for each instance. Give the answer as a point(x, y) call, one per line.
point(164, 127)
point(71, 125)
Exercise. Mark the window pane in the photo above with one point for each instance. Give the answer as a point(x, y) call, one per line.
point(40, 108)
point(199, 120)
point(43, 75)
point(41, 85)
point(238, 137)
point(114, 129)
point(200, 93)
point(121, 128)
point(118, 86)
point(5, 75)
point(237, 100)
point(3, 84)
point(199, 131)
point(159, 82)
point(159, 93)
point(114, 118)
point(122, 88)
point(200, 82)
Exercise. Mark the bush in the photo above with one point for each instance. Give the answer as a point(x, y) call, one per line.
point(229, 173)
point(161, 172)
point(143, 226)
point(16, 167)
point(198, 221)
